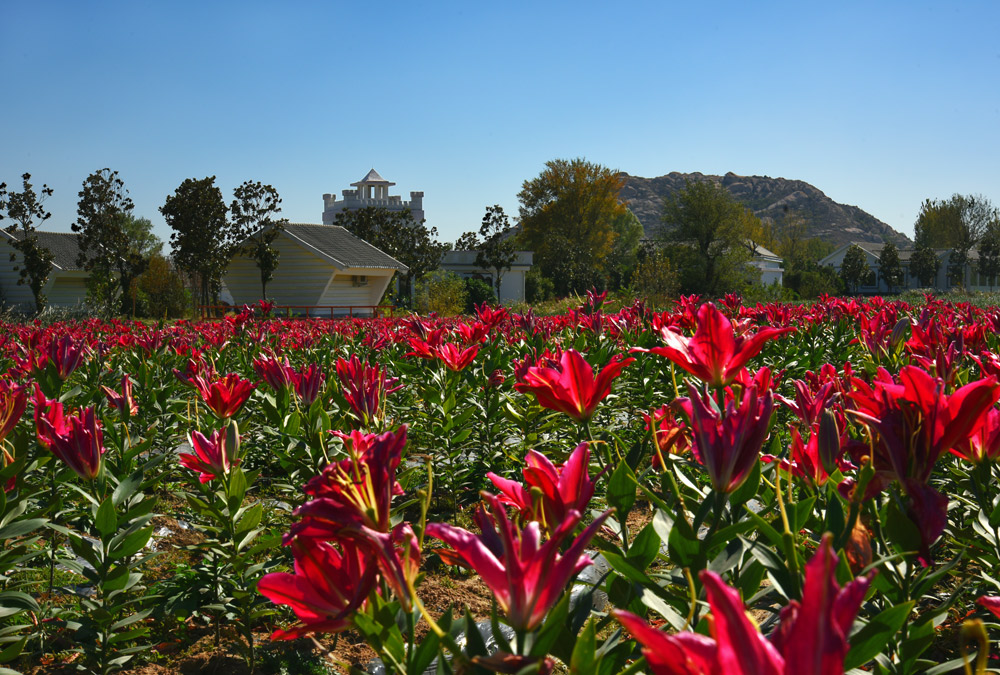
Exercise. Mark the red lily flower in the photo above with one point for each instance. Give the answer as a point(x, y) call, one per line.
point(990, 602)
point(456, 358)
point(65, 355)
point(212, 458)
point(670, 434)
point(276, 372)
point(76, 439)
point(13, 401)
point(123, 402)
point(308, 383)
point(728, 445)
point(327, 588)
point(714, 354)
point(12, 481)
point(363, 386)
point(984, 443)
point(559, 490)
point(811, 639)
point(226, 396)
point(571, 387)
point(806, 460)
point(526, 577)
point(358, 489)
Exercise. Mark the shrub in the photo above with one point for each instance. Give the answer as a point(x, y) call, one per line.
point(537, 287)
point(160, 291)
point(441, 292)
point(655, 279)
point(478, 292)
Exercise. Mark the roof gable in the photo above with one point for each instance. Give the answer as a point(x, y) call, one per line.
point(65, 247)
point(341, 248)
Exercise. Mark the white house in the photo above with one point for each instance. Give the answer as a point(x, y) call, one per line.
point(769, 264)
point(320, 266)
point(463, 263)
point(67, 283)
point(371, 191)
point(875, 284)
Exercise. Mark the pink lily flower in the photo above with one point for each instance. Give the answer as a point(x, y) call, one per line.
point(363, 387)
point(124, 403)
point(571, 387)
point(226, 396)
point(212, 458)
point(327, 588)
point(13, 402)
point(308, 383)
point(812, 638)
point(728, 445)
point(75, 439)
point(714, 354)
point(526, 577)
point(276, 372)
point(559, 489)
point(456, 358)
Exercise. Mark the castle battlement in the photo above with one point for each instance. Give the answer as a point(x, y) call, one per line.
point(371, 191)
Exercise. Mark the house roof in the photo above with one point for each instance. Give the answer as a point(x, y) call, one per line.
point(65, 247)
point(340, 247)
point(371, 178)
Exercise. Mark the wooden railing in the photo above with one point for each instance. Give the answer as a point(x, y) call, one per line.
point(307, 311)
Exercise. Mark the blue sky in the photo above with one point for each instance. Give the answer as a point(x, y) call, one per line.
point(878, 104)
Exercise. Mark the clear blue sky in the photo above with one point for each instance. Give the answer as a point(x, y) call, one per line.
point(878, 104)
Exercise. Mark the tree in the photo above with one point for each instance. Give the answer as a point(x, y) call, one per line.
point(854, 270)
point(107, 251)
point(498, 250)
point(396, 233)
point(202, 239)
point(622, 260)
point(253, 215)
point(160, 290)
point(989, 254)
point(957, 223)
point(889, 267)
point(654, 278)
point(567, 217)
point(25, 210)
point(924, 265)
point(469, 241)
point(709, 232)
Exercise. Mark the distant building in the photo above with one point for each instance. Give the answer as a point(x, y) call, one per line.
point(67, 283)
point(769, 264)
point(463, 263)
point(371, 191)
point(971, 279)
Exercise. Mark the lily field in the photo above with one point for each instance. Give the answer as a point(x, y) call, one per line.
point(719, 488)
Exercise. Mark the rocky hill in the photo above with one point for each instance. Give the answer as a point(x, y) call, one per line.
point(771, 199)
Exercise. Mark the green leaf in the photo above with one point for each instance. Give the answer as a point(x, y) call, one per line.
point(643, 550)
point(621, 489)
point(106, 521)
point(584, 659)
point(748, 490)
point(251, 518)
point(868, 642)
point(132, 543)
point(902, 532)
point(127, 488)
point(237, 488)
point(21, 527)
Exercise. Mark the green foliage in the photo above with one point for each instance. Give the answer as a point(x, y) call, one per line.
point(25, 210)
point(888, 266)
point(497, 251)
point(537, 286)
point(854, 270)
point(477, 292)
point(567, 217)
point(202, 239)
point(624, 255)
point(924, 265)
point(469, 241)
point(988, 265)
point(441, 292)
point(397, 234)
point(253, 214)
point(655, 278)
point(160, 291)
point(107, 249)
point(707, 232)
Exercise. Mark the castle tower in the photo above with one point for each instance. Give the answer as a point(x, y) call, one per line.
point(371, 191)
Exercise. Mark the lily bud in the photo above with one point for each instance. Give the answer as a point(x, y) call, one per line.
point(973, 631)
point(829, 441)
point(899, 333)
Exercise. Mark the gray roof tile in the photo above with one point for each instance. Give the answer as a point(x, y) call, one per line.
point(341, 247)
point(65, 247)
